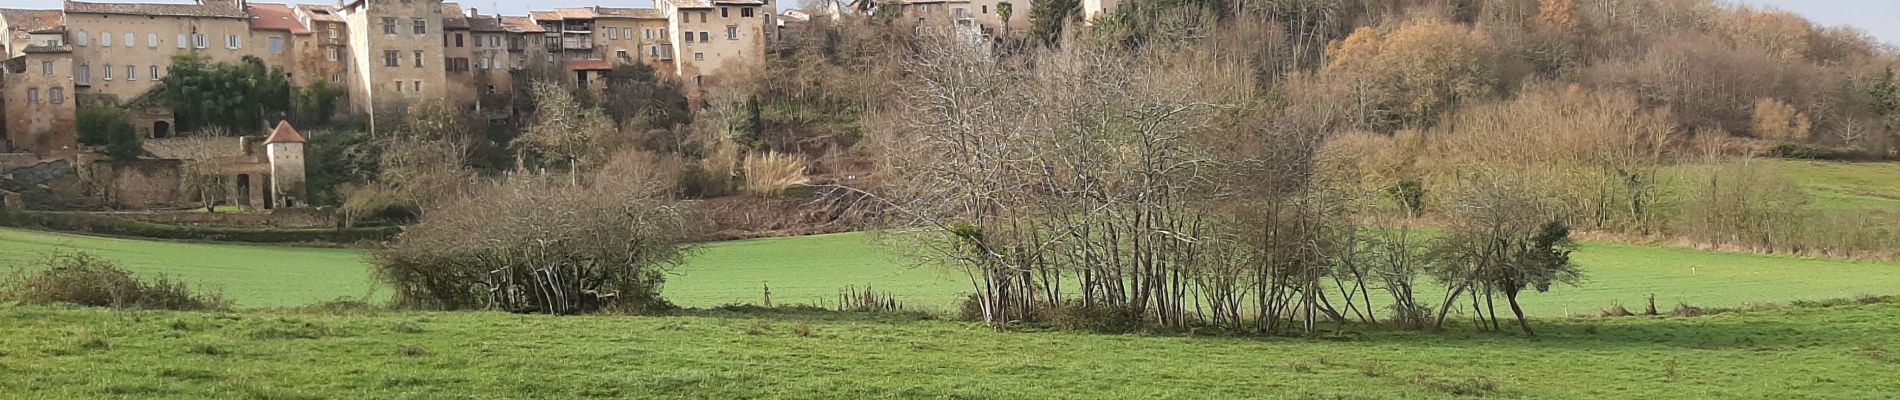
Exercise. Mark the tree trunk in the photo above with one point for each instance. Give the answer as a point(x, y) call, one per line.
point(1510, 295)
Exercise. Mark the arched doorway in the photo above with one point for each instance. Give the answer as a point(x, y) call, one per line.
point(161, 130)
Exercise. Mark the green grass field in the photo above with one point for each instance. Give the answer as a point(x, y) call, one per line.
point(1846, 352)
point(1836, 185)
point(253, 275)
point(812, 270)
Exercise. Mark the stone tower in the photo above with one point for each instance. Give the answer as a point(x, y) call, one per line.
point(285, 149)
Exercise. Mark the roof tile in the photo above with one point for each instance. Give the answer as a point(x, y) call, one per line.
point(519, 24)
point(284, 134)
point(275, 17)
point(209, 9)
point(452, 17)
point(32, 20)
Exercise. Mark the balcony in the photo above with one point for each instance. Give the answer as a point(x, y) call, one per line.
point(580, 43)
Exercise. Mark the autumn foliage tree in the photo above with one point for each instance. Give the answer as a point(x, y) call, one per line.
point(1412, 74)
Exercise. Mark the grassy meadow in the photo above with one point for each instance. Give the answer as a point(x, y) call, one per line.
point(273, 349)
point(812, 270)
point(1838, 185)
point(1848, 352)
point(253, 275)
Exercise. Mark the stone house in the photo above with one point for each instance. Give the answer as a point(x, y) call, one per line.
point(399, 58)
point(41, 110)
point(714, 38)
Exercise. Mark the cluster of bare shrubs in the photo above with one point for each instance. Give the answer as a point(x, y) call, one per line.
point(1100, 187)
point(1188, 166)
point(539, 243)
point(583, 224)
point(84, 279)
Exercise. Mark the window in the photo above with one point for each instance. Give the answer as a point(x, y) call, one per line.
point(458, 40)
point(181, 40)
point(333, 31)
point(622, 55)
point(199, 40)
point(725, 12)
point(84, 74)
point(398, 86)
point(662, 32)
point(46, 68)
point(33, 95)
point(105, 39)
point(417, 86)
point(389, 25)
point(154, 74)
point(421, 25)
point(233, 42)
point(647, 33)
point(655, 50)
point(732, 32)
point(418, 58)
point(703, 15)
point(699, 56)
point(336, 78)
point(335, 53)
point(81, 39)
point(276, 45)
point(107, 72)
point(613, 34)
point(986, 9)
point(689, 37)
point(626, 33)
point(131, 40)
point(705, 37)
point(56, 95)
point(745, 12)
point(131, 72)
point(390, 60)
point(151, 40)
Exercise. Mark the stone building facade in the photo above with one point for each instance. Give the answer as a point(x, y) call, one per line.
point(385, 54)
point(712, 38)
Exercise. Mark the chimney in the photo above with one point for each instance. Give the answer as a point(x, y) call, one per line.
point(473, 14)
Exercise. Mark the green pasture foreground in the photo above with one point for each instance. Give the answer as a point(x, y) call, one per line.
point(812, 270)
point(253, 275)
point(1846, 352)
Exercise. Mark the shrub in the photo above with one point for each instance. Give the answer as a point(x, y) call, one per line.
point(1813, 152)
point(1777, 120)
point(526, 244)
point(106, 126)
point(770, 173)
point(1096, 317)
point(80, 278)
point(1614, 310)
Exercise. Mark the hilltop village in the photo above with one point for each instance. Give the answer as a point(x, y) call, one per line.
point(368, 60)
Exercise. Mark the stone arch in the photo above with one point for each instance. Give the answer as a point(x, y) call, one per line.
point(161, 129)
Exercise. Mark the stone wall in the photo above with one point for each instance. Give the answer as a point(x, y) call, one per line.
point(144, 183)
point(52, 185)
point(288, 218)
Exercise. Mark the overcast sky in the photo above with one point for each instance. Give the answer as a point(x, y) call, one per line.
point(1878, 17)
